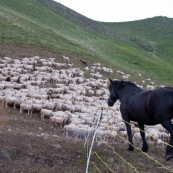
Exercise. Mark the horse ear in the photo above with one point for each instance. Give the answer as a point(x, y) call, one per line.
point(111, 81)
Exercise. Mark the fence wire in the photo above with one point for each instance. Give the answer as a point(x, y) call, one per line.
point(89, 150)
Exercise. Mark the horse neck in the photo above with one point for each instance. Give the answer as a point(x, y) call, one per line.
point(128, 91)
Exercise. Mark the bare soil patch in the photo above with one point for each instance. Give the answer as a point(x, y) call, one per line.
point(28, 144)
point(24, 50)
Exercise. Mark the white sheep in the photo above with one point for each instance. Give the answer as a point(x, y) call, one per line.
point(65, 115)
point(65, 59)
point(49, 105)
point(70, 128)
point(37, 107)
point(56, 120)
point(26, 106)
point(45, 113)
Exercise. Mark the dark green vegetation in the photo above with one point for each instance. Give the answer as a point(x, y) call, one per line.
point(144, 46)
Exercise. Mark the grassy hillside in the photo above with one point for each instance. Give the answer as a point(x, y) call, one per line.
point(143, 46)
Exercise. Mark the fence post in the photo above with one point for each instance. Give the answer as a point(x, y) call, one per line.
point(89, 155)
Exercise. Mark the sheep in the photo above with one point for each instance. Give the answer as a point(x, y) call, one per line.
point(78, 98)
point(74, 115)
point(59, 117)
point(19, 86)
point(58, 90)
point(106, 70)
point(159, 143)
point(49, 105)
point(150, 87)
point(165, 136)
point(113, 128)
point(15, 78)
point(37, 107)
point(2, 65)
point(58, 105)
point(45, 113)
point(86, 69)
point(96, 75)
point(77, 121)
point(8, 99)
point(26, 106)
point(82, 131)
point(17, 102)
point(65, 59)
point(71, 128)
point(68, 107)
point(88, 120)
point(70, 65)
point(100, 92)
point(56, 120)
point(153, 134)
point(9, 85)
point(84, 109)
point(102, 134)
point(77, 108)
point(137, 137)
point(90, 92)
point(89, 99)
point(96, 64)
point(123, 134)
point(126, 76)
point(3, 78)
point(2, 98)
point(28, 67)
point(120, 73)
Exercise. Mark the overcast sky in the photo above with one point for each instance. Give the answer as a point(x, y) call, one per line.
point(120, 10)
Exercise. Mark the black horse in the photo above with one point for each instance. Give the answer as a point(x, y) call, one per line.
point(149, 107)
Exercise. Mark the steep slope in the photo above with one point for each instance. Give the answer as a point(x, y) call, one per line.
point(153, 35)
point(140, 46)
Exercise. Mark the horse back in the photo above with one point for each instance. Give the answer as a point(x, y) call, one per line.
point(150, 107)
point(161, 101)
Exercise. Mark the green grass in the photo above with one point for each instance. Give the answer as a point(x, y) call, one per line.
point(143, 46)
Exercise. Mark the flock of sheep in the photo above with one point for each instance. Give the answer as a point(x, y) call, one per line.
point(61, 93)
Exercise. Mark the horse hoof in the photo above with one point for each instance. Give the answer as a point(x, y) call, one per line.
point(145, 150)
point(130, 149)
point(169, 156)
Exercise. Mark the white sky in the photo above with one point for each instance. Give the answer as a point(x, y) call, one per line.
point(120, 10)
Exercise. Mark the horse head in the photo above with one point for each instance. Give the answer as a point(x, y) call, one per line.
point(113, 97)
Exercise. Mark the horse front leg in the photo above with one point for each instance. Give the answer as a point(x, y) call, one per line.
point(145, 145)
point(169, 149)
point(129, 133)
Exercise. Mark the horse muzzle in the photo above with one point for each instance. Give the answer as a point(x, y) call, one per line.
point(110, 103)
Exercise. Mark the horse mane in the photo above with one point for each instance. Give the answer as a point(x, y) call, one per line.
point(132, 86)
point(129, 83)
